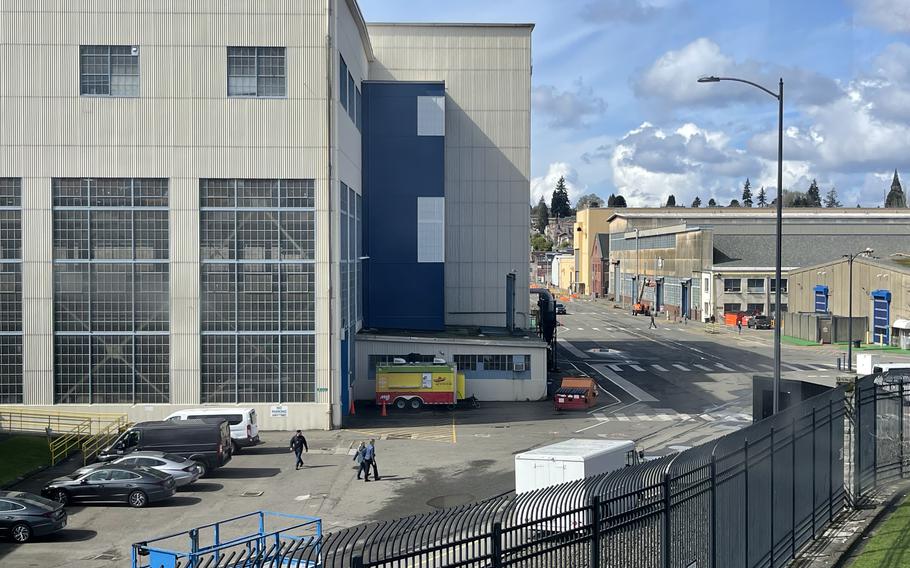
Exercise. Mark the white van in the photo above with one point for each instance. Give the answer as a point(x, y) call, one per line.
point(244, 430)
point(884, 367)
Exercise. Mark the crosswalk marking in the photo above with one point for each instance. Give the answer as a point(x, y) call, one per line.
point(791, 367)
point(725, 368)
point(581, 329)
point(741, 366)
point(680, 367)
point(664, 417)
point(703, 368)
point(596, 328)
point(637, 368)
point(622, 417)
point(644, 417)
point(766, 367)
point(671, 416)
point(659, 368)
point(707, 417)
point(816, 367)
point(616, 368)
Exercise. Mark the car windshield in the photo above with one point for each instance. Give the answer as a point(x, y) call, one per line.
point(38, 501)
point(174, 458)
point(152, 472)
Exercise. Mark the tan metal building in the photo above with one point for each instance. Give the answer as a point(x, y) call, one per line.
point(881, 293)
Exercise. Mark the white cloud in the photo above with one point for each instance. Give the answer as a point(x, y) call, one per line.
point(673, 79)
point(568, 109)
point(543, 186)
point(889, 15)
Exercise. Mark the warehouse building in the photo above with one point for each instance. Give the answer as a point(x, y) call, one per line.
point(206, 206)
point(707, 262)
point(880, 289)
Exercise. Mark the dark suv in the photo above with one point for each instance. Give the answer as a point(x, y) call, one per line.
point(760, 322)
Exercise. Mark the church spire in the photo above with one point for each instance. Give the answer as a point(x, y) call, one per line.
point(896, 182)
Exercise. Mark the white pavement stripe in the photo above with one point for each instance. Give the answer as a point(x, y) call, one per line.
point(664, 417)
point(659, 368)
point(766, 367)
point(572, 349)
point(703, 368)
point(581, 329)
point(816, 367)
point(615, 368)
point(791, 367)
point(637, 368)
point(684, 416)
point(725, 368)
point(596, 328)
point(600, 416)
point(621, 417)
point(643, 417)
point(744, 367)
point(681, 368)
point(624, 384)
point(707, 417)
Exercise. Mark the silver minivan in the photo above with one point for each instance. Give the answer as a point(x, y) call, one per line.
point(244, 430)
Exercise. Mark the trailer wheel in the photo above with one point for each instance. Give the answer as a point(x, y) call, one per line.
point(415, 403)
point(401, 403)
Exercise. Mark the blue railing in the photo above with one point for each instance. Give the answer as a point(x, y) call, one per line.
point(265, 547)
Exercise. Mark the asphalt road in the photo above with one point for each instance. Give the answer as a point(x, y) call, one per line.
point(680, 384)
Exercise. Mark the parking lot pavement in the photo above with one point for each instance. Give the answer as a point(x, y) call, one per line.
point(426, 459)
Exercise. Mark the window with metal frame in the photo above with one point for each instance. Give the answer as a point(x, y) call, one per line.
point(256, 72)
point(732, 307)
point(10, 291)
point(733, 285)
point(755, 285)
point(109, 70)
point(111, 290)
point(783, 285)
point(257, 251)
point(343, 82)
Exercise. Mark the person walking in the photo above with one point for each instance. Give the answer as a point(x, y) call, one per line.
point(298, 445)
point(368, 454)
point(739, 325)
point(372, 445)
point(653, 323)
point(358, 457)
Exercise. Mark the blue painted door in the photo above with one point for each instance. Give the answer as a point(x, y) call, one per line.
point(684, 302)
point(821, 299)
point(881, 316)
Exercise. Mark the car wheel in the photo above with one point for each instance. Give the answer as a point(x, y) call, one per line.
point(21, 532)
point(138, 499)
point(401, 403)
point(202, 469)
point(62, 497)
point(415, 403)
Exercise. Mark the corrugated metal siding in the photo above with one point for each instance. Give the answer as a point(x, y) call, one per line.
point(182, 126)
point(487, 72)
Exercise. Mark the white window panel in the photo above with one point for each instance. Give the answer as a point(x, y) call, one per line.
point(431, 216)
point(431, 116)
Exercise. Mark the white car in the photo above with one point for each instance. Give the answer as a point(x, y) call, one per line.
point(183, 470)
point(242, 421)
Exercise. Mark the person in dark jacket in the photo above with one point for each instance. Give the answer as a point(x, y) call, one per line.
point(298, 445)
point(372, 444)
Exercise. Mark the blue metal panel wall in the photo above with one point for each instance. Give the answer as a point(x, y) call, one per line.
point(881, 316)
point(821, 299)
point(398, 167)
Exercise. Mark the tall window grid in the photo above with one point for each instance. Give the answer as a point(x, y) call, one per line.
point(258, 290)
point(10, 291)
point(256, 72)
point(111, 280)
point(351, 250)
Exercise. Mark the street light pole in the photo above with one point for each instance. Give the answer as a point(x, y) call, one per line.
point(780, 205)
point(850, 258)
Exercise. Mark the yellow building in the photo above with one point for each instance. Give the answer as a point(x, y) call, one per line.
point(566, 273)
point(588, 224)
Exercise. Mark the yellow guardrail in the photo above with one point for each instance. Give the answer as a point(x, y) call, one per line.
point(66, 431)
point(92, 445)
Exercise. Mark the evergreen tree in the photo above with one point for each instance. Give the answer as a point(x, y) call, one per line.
point(831, 198)
point(696, 202)
point(762, 198)
point(813, 198)
point(620, 201)
point(896, 197)
point(747, 194)
point(734, 203)
point(712, 203)
point(671, 201)
point(542, 215)
point(559, 204)
point(541, 243)
point(611, 201)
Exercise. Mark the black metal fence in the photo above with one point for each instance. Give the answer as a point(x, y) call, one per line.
point(749, 499)
point(881, 417)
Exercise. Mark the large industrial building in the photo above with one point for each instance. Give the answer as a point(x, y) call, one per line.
point(707, 262)
point(205, 204)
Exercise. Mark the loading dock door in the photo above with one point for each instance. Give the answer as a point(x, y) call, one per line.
point(881, 316)
point(684, 301)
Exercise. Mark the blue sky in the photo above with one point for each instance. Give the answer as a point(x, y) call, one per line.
point(616, 108)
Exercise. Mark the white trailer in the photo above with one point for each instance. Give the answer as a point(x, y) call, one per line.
point(571, 460)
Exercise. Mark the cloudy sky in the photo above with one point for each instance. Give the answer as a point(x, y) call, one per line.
point(616, 106)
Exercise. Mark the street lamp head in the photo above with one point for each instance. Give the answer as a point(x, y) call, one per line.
point(709, 79)
point(868, 251)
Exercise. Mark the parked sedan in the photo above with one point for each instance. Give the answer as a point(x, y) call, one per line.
point(135, 485)
point(23, 515)
point(560, 308)
point(183, 470)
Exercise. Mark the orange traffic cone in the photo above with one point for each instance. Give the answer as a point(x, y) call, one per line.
point(383, 413)
point(351, 410)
